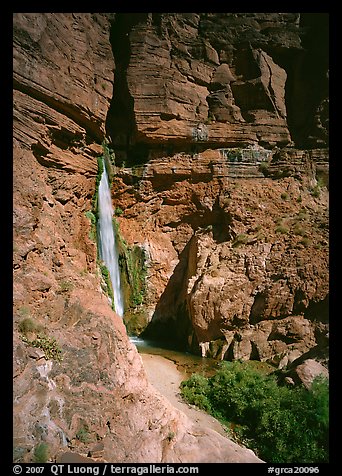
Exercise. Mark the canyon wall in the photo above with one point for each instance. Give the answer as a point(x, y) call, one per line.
point(191, 81)
point(235, 240)
point(237, 263)
point(223, 178)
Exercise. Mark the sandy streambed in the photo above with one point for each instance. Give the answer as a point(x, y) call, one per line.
point(165, 375)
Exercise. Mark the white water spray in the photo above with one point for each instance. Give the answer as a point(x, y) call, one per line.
point(108, 249)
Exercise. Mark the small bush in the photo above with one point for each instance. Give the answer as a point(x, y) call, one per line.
point(305, 242)
point(302, 215)
point(170, 435)
point(298, 230)
point(195, 391)
point(27, 325)
point(284, 196)
point(264, 168)
point(316, 191)
point(48, 345)
point(41, 453)
point(83, 434)
point(24, 311)
point(118, 211)
point(241, 239)
point(282, 229)
point(65, 286)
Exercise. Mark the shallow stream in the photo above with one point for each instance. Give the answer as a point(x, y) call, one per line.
point(185, 362)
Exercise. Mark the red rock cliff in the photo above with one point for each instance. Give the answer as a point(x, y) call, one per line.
point(228, 79)
point(79, 384)
point(237, 252)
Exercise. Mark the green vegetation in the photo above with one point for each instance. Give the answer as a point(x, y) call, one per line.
point(118, 211)
point(298, 230)
point(24, 311)
point(48, 345)
point(239, 240)
point(132, 262)
point(106, 277)
point(264, 167)
point(65, 286)
point(302, 215)
point(91, 216)
point(284, 196)
point(316, 190)
point(170, 435)
point(28, 325)
point(83, 434)
point(39, 339)
point(281, 424)
point(284, 230)
point(305, 241)
point(41, 453)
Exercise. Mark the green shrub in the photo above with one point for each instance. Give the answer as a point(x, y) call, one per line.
point(91, 216)
point(305, 241)
point(195, 391)
point(83, 434)
point(171, 435)
point(24, 311)
point(281, 424)
point(302, 215)
point(298, 230)
point(106, 277)
point(284, 196)
point(264, 167)
point(27, 325)
point(65, 286)
point(48, 345)
point(316, 191)
point(282, 229)
point(41, 453)
point(132, 262)
point(239, 240)
point(118, 211)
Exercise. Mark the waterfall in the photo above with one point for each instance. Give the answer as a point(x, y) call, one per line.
point(108, 249)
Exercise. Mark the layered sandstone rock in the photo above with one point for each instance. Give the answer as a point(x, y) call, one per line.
point(79, 384)
point(224, 78)
point(236, 240)
point(243, 267)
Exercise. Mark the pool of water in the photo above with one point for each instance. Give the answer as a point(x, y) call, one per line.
point(186, 363)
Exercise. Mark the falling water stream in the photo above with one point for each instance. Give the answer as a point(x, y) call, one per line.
point(108, 248)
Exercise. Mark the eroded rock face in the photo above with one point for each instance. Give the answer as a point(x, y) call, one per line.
point(83, 390)
point(251, 278)
point(99, 393)
point(237, 253)
point(218, 78)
